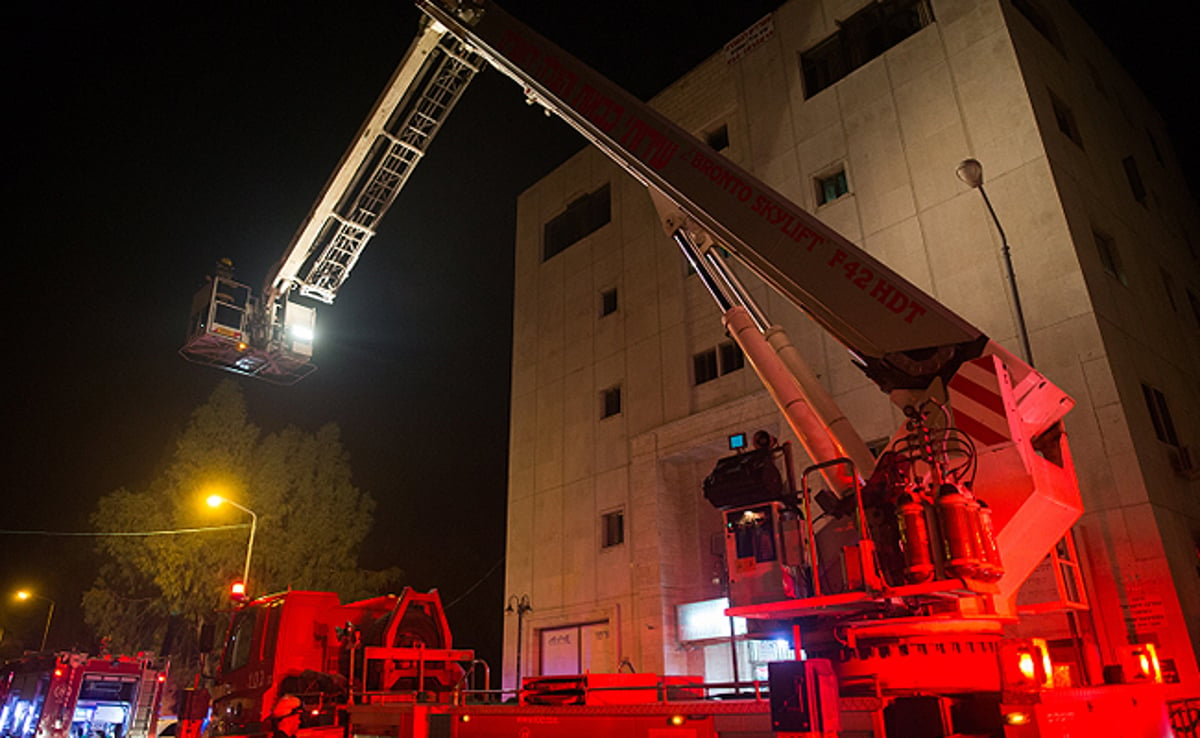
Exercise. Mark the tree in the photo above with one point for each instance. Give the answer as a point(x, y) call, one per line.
point(311, 522)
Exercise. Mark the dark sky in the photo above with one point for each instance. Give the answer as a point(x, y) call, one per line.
point(148, 140)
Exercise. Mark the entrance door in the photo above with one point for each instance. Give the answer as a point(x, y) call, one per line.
point(576, 649)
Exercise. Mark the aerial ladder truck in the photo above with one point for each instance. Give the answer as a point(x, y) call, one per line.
point(899, 588)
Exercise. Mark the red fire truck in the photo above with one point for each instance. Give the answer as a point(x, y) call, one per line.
point(896, 579)
point(72, 695)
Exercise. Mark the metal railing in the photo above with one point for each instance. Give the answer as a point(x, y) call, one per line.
point(664, 691)
point(1185, 717)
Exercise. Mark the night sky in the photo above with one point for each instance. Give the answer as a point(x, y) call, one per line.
point(148, 140)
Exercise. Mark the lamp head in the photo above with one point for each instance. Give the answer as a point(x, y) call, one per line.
point(215, 500)
point(970, 171)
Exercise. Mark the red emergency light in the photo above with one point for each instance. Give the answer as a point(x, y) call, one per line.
point(238, 590)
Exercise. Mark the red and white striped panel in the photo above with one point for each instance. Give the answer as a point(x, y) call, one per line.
point(978, 401)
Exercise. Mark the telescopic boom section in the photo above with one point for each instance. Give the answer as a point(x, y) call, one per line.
point(903, 337)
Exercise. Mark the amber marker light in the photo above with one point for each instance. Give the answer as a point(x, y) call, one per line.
point(1016, 718)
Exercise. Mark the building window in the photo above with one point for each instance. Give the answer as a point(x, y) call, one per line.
point(731, 357)
point(1169, 288)
point(608, 302)
point(831, 186)
point(610, 402)
point(1160, 415)
point(1097, 80)
point(718, 138)
point(1154, 147)
point(718, 361)
point(860, 38)
point(583, 216)
point(612, 529)
point(1065, 119)
point(1041, 22)
point(1135, 179)
point(704, 366)
point(1110, 259)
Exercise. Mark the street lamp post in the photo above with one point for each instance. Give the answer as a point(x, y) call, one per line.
point(970, 171)
point(217, 501)
point(519, 605)
point(25, 595)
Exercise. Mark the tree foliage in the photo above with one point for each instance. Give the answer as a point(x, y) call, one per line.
point(311, 522)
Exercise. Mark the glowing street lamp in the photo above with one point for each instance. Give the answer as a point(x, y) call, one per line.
point(970, 171)
point(217, 501)
point(26, 595)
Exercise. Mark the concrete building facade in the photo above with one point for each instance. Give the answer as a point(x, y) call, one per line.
point(625, 389)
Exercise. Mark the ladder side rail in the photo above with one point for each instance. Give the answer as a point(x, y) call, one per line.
point(399, 153)
point(287, 270)
point(364, 204)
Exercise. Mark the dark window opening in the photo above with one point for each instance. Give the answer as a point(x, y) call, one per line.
point(1136, 186)
point(831, 187)
point(731, 357)
point(608, 302)
point(1160, 415)
point(1154, 146)
point(1097, 80)
point(726, 357)
point(861, 38)
point(1065, 120)
point(613, 528)
point(718, 138)
point(583, 216)
point(610, 402)
point(1110, 259)
point(1041, 22)
point(1169, 288)
point(704, 366)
